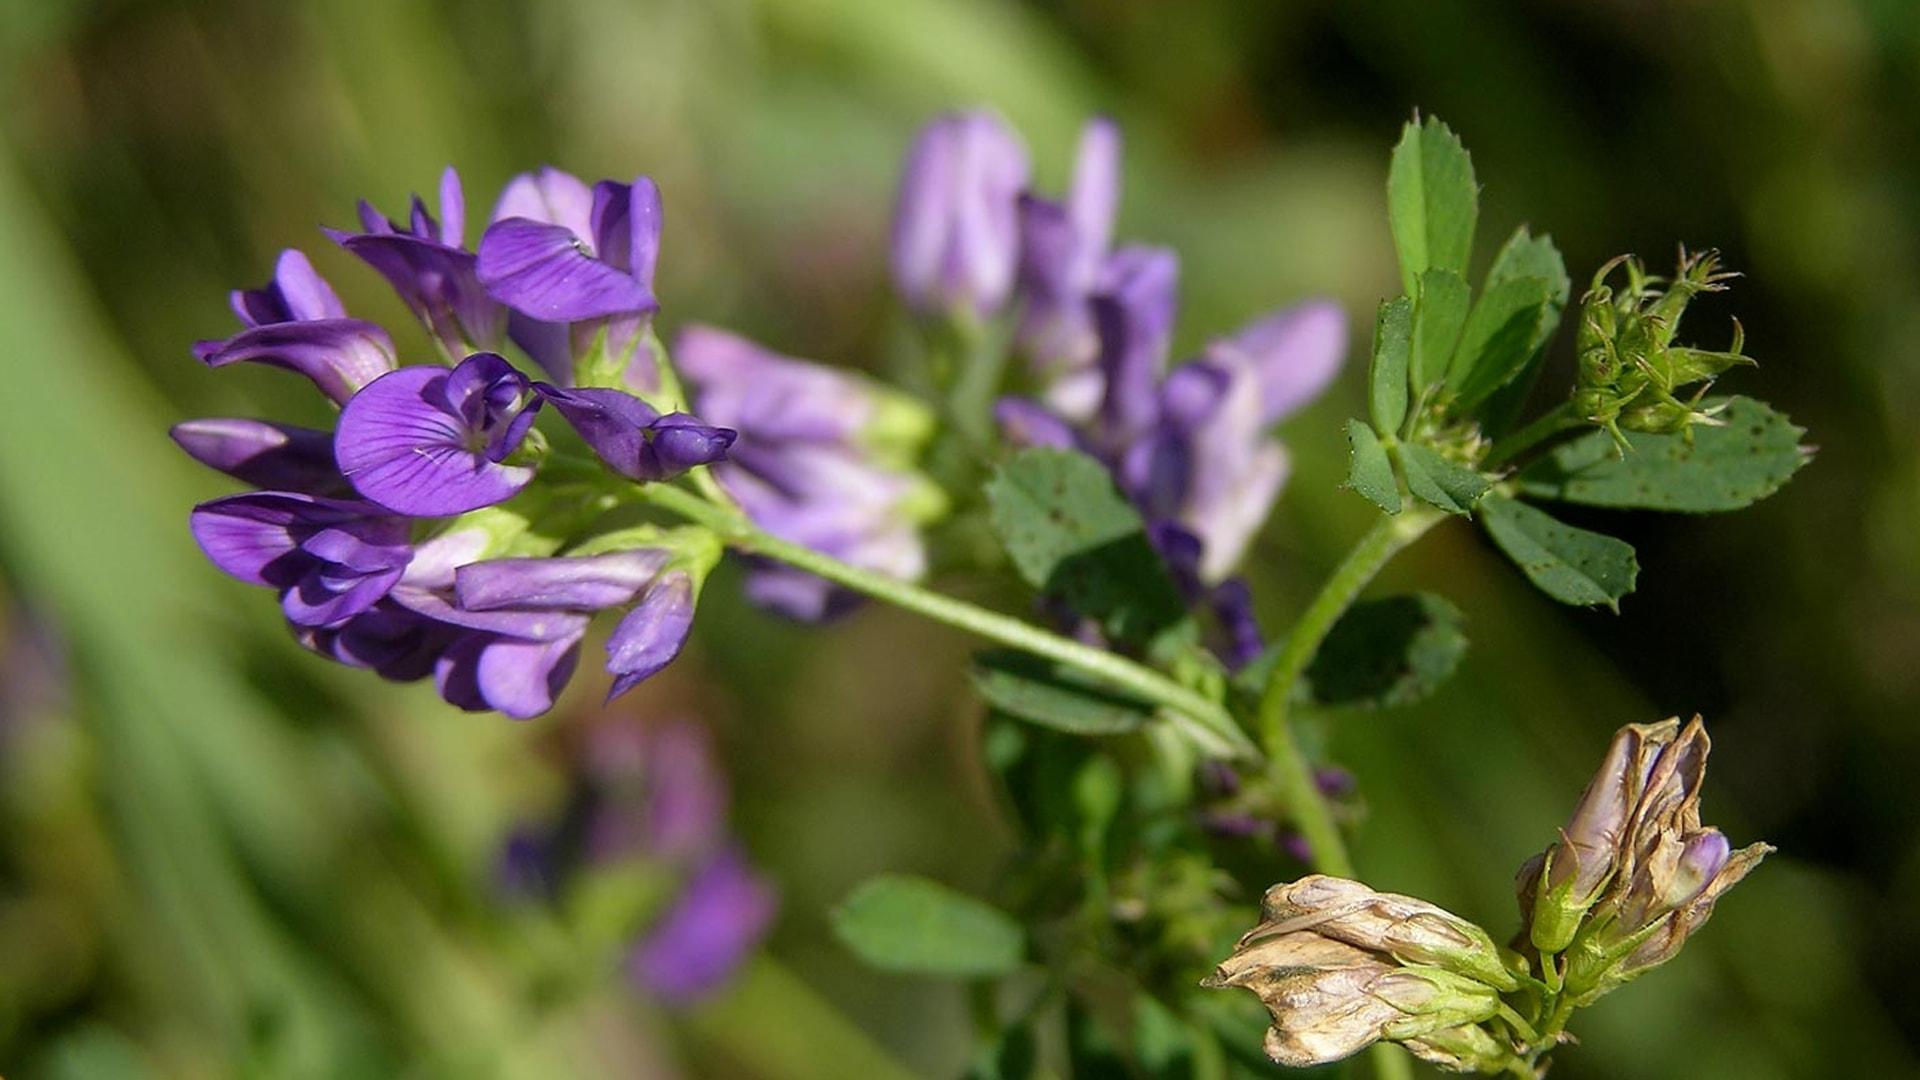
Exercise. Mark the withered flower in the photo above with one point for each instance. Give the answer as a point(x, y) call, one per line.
point(1340, 966)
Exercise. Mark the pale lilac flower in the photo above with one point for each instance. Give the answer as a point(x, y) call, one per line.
point(956, 234)
point(1064, 252)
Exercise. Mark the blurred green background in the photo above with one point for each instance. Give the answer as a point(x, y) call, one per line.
point(219, 856)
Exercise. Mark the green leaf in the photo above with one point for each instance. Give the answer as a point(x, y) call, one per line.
point(1432, 201)
point(1747, 457)
point(1435, 480)
point(1393, 651)
point(897, 922)
point(1072, 535)
point(1439, 316)
point(1571, 565)
point(1369, 472)
point(1042, 692)
point(1501, 336)
point(1525, 256)
point(1011, 1054)
point(1387, 379)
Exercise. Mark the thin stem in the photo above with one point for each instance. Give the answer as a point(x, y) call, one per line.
point(1204, 721)
point(1554, 421)
point(1309, 807)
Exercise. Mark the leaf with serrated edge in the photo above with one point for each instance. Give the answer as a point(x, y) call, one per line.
point(1574, 566)
point(1435, 480)
point(1432, 201)
point(1746, 457)
point(1387, 378)
point(1369, 471)
point(898, 922)
point(1499, 339)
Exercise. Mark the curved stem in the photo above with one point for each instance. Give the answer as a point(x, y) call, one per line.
point(1554, 421)
point(1204, 721)
point(1310, 810)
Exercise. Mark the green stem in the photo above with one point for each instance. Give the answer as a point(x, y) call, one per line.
point(1204, 721)
point(1310, 809)
point(1559, 419)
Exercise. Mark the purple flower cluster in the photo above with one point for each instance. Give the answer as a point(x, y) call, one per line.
point(387, 538)
point(654, 795)
point(1190, 445)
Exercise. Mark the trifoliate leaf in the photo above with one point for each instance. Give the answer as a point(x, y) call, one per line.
point(1439, 315)
point(897, 922)
point(1741, 460)
point(1387, 378)
point(1369, 471)
point(1432, 201)
point(1072, 535)
point(1392, 651)
point(1574, 566)
point(1435, 480)
point(1042, 692)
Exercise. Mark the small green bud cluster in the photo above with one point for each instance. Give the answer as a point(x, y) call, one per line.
point(1630, 371)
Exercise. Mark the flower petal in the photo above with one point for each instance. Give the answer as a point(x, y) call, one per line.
point(1296, 353)
point(540, 270)
point(340, 355)
point(257, 536)
point(652, 634)
point(401, 448)
point(277, 456)
point(577, 583)
point(708, 932)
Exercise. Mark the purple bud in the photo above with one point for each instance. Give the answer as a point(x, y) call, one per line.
point(632, 438)
point(652, 634)
point(277, 456)
point(956, 240)
point(339, 356)
point(1134, 315)
point(515, 676)
point(429, 442)
point(570, 583)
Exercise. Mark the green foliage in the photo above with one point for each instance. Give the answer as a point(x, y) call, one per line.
point(1432, 201)
point(1506, 329)
point(1369, 471)
point(1072, 535)
point(1392, 651)
point(1439, 316)
point(901, 923)
point(1574, 566)
point(1744, 457)
point(1042, 692)
point(1387, 378)
point(1441, 483)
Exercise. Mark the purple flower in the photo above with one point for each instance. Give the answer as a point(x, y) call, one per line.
point(646, 639)
point(428, 264)
point(632, 438)
point(297, 322)
point(956, 235)
point(574, 262)
point(1064, 249)
point(822, 460)
point(277, 456)
point(332, 559)
point(430, 442)
point(1134, 313)
point(712, 926)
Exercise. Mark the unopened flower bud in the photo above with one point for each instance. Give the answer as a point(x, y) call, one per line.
point(956, 233)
